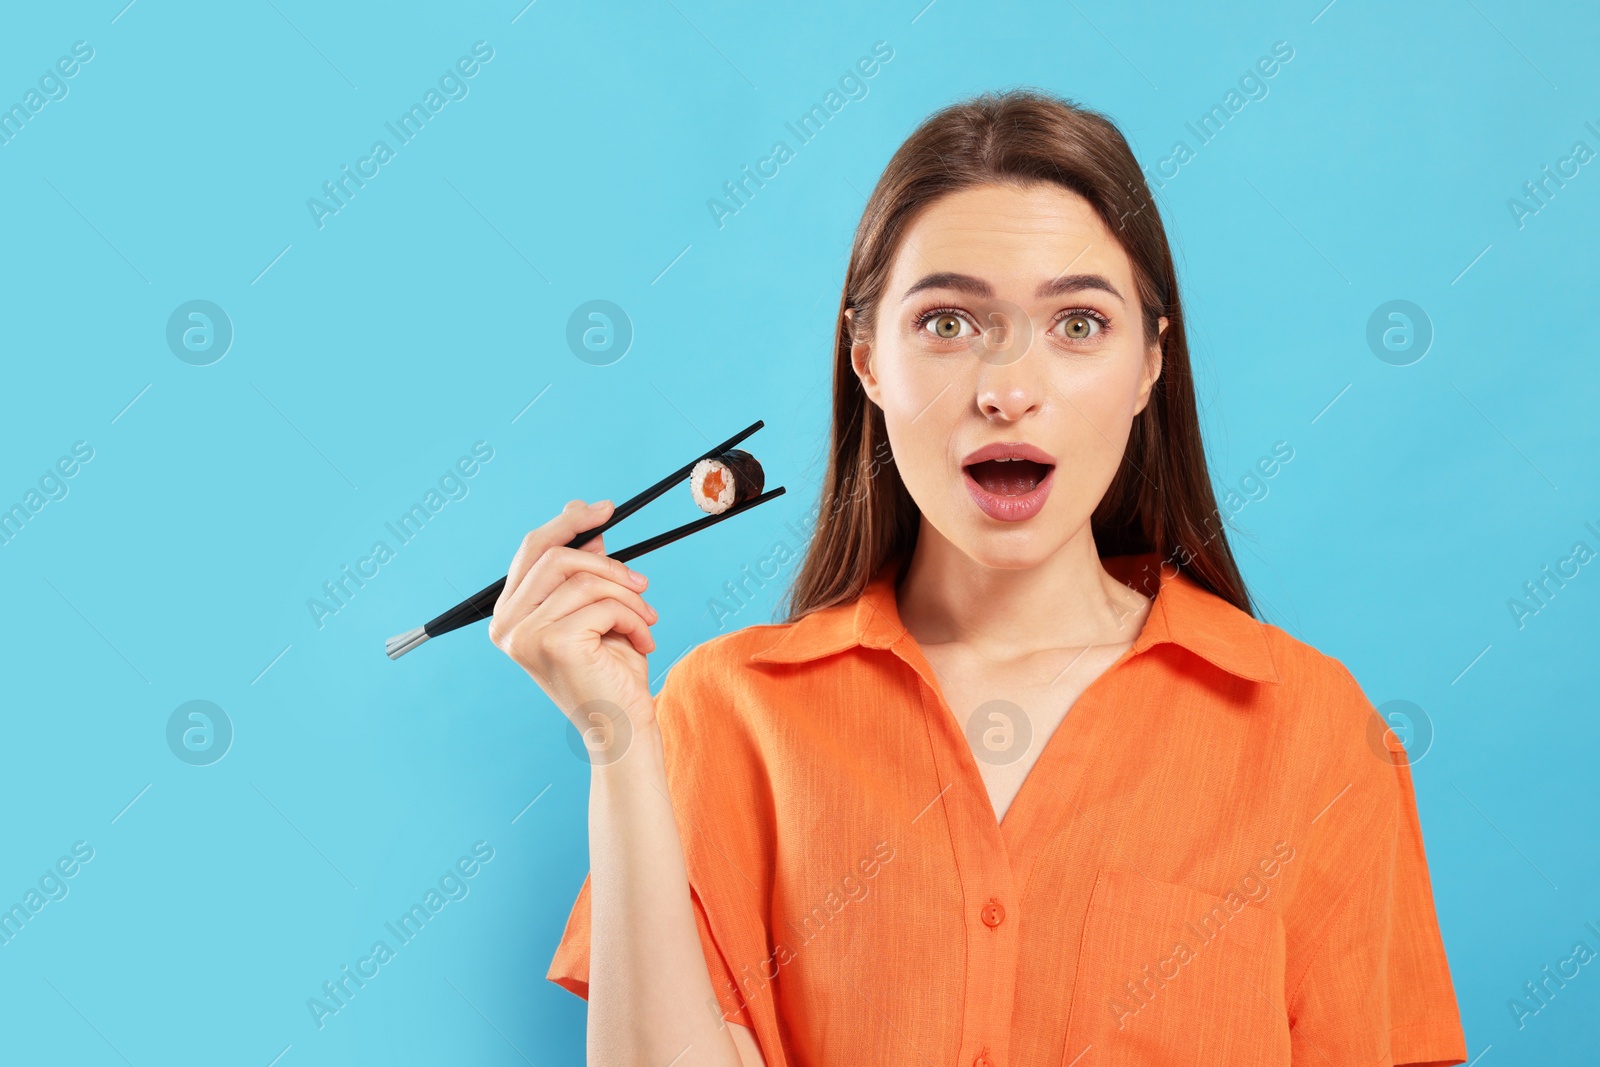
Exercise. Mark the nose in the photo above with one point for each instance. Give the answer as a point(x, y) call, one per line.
point(1010, 391)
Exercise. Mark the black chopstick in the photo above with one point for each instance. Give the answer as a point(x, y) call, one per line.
point(481, 604)
point(650, 544)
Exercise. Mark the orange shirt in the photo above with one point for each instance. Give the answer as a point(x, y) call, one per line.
point(1215, 860)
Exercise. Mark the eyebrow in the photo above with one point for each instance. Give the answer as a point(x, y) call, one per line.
point(966, 283)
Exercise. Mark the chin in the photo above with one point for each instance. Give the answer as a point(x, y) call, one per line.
point(985, 553)
point(991, 545)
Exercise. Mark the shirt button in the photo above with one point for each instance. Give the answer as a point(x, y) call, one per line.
point(993, 915)
point(983, 1060)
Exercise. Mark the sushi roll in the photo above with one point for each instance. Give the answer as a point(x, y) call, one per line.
point(722, 481)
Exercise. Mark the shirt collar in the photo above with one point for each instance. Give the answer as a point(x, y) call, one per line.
point(1183, 614)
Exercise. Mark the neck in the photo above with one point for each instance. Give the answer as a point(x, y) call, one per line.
point(1066, 601)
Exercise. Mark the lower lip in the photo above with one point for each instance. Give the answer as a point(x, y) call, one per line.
point(1009, 508)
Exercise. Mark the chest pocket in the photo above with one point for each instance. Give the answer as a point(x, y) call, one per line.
point(1171, 975)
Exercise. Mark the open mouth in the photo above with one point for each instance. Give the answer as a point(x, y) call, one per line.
point(1009, 489)
point(1008, 477)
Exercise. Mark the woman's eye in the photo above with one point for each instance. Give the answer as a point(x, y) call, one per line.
point(945, 326)
point(1079, 327)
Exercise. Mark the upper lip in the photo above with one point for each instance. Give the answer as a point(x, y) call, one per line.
point(1010, 450)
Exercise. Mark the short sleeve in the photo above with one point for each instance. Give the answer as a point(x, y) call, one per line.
point(1377, 989)
point(569, 968)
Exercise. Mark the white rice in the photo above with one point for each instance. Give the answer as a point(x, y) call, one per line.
point(697, 479)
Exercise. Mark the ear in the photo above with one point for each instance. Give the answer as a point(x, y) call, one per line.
point(1152, 366)
point(861, 359)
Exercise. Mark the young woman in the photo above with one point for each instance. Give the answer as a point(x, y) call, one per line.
point(1021, 780)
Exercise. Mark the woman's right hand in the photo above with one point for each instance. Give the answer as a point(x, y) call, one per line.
point(574, 619)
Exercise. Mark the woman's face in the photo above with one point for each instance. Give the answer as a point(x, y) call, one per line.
point(1010, 318)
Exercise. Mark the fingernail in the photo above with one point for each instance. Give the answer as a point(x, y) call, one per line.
point(635, 575)
point(598, 504)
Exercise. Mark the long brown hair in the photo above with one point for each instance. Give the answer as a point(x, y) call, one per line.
point(1160, 498)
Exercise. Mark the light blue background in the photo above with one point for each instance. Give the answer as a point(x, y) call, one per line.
point(427, 314)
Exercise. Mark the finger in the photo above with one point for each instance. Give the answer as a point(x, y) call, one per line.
point(582, 586)
point(557, 565)
point(624, 622)
point(572, 520)
point(597, 543)
point(600, 618)
point(534, 542)
point(557, 568)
